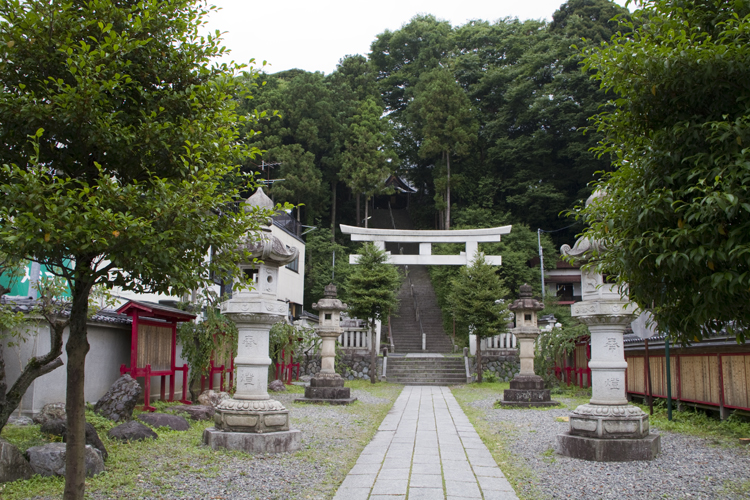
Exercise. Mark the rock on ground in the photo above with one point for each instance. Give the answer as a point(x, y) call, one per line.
point(12, 464)
point(59, 428)
point(132, 431)
point(196, 412)
point(277, 386)
point(21, 421)
point(174, 422)
point(212, 398)
point(50, 411)
point(120, 400)
point(49, 460)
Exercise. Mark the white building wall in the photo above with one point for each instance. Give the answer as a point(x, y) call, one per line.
point(291, 283)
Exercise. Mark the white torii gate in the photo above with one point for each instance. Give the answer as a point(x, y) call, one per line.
point(470, 237)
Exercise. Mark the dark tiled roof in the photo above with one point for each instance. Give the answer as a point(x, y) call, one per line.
point(27, 304)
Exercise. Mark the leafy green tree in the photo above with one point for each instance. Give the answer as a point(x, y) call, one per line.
point(301, 183)
point(133, 164)
point(213, 335)
point(321, 268)
point(446, 122)
point(372, 293)
point(675, 212)
point(367, 159)
point(557, 343)
point(477, 302)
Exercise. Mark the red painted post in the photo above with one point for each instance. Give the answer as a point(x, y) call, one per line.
point(134, 344)
point(174, 362)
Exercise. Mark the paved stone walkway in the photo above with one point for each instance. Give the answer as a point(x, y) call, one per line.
point(425, 449)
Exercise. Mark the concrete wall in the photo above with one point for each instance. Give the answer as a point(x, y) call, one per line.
point(110, 348)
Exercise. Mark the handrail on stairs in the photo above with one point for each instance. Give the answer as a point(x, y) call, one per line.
point(411, 290)
point(416, 310)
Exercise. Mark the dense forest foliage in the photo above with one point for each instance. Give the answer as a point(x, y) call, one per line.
point(485, 120)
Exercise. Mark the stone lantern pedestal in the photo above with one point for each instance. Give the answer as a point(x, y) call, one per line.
point(251, 421)
point(607, 429)
point(527, 388)
point(327, 386)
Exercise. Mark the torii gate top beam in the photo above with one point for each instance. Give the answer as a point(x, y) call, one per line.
point(470, 237)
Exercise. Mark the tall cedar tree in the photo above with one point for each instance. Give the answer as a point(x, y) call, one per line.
point(676, 213)
point(367, 158)
point(372, 292)
point(477, 302)
point(132, 162)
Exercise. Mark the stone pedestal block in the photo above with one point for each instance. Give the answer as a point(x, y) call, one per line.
point(251, 416)
point(327, 389)
point(527, 391)
point(272, 442)
point(609, 422)
point(608, 450)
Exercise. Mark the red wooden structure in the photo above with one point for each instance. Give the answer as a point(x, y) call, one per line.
point(285, 371)
point(153, 347)
point(226, 368)
point(580, 373)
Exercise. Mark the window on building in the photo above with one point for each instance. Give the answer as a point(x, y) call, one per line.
point(293, 265)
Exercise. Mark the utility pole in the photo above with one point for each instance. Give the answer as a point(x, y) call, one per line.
point(541, 258)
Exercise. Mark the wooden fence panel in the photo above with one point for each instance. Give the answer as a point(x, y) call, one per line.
point(155, 347)
point(635, 374)
point(736, 374)
point(700, 379)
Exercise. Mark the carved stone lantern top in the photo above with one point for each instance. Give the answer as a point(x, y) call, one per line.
point(266, 246)
point(330, 308)
point(525, 307)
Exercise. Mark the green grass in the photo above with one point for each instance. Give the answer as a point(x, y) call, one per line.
point(697, 422)
point(497, 436)
point(735, 489)
point(140, 469)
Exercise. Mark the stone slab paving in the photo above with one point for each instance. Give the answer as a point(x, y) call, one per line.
point(425, 449)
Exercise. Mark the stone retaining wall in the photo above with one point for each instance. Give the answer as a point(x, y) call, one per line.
point(506, 365)
point(351, 366)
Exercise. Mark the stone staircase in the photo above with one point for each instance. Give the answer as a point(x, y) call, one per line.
point(407, 336)
point(426, 371)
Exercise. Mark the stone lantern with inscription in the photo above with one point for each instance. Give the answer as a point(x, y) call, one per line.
point(251, 421)
point(526, 388)
point(327, 386)
point(607, 429)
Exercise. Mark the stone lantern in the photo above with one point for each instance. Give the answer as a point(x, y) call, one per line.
point(251, 421)
point(607, 429)
point(327, 386)
point(526, 388)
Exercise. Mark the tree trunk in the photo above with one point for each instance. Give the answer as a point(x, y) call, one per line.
point(479, 359)
point(359, 212)
point(448, 192)
point(36, 367)
point(333, 212)
point(373, 353)
point(75, 403)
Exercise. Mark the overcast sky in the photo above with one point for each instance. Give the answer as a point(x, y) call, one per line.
point(314, 34)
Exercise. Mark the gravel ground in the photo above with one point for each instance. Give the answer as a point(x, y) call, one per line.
point(688, 466)
point(329, 440)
